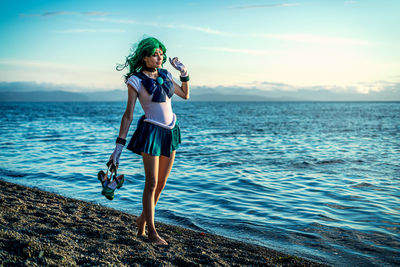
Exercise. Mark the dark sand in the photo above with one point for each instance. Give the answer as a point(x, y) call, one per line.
point(42, 228)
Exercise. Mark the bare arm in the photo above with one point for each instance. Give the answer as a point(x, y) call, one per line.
point(182, 91)
point(128, 115)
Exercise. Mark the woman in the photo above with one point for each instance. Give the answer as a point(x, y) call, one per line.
point(157, 135)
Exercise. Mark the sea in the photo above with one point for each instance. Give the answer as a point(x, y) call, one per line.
point(320, 180)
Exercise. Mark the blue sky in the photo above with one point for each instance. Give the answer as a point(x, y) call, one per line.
point(342, 45)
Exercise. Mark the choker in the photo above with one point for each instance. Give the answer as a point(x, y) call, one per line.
point(149, 69)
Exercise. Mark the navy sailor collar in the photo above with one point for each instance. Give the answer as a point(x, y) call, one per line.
point(160, 88)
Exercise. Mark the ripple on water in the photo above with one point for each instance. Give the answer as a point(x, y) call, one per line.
point(313, 179)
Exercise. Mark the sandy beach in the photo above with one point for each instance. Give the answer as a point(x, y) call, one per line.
point(42, 228)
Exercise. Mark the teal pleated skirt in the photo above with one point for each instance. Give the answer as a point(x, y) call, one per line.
point(154, 140)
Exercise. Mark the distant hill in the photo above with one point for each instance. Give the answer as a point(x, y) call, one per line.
point(41, 96)
point(120, 95)
point(62, 96)
point(18, 91)
point(237, 98)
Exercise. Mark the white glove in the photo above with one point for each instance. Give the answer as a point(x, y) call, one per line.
point(178, 66)
point(114, 158)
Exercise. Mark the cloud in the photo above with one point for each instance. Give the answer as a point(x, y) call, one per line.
point(311, 38)
point(271, 86)
point(194, 28)
point(362, 88)
point(265, 6)
point(91, 31)
point(48, 14)
point(166, 25)
point(62, 13)
point(373, 87)
point(95, 13)
point(261, 91)
point(236, 51)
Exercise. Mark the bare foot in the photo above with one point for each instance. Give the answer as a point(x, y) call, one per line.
point(141, 225)
point(157, 240)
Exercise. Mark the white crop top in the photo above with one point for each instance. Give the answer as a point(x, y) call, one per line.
point(159, 113)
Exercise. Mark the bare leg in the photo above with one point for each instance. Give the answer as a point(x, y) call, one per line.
point(151, 164)
point(165, 166)
point(164, 170)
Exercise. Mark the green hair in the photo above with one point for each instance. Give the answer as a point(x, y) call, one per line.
point(134, 61)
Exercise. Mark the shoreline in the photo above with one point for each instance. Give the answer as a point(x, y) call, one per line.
point(43, 228)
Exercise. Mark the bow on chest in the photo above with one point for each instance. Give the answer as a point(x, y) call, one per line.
point(160, 88)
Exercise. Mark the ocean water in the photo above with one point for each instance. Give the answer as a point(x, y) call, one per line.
point(319, 180)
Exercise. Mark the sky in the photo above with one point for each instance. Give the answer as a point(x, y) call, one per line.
point(264, 44)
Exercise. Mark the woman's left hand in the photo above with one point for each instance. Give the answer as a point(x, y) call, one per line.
point(114, 158)
point(179, 66)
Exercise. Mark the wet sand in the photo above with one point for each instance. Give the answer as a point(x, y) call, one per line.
point(42, 228)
